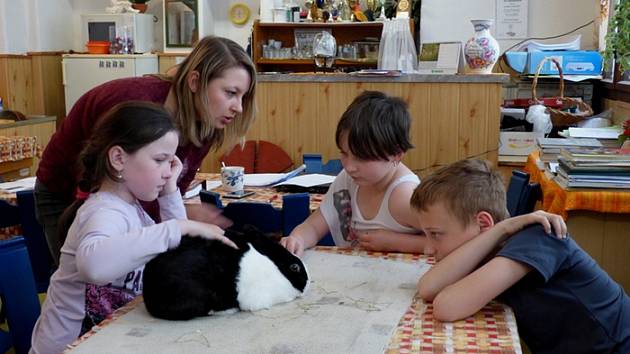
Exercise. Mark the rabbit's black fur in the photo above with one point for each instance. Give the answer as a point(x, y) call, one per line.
point(203, 276)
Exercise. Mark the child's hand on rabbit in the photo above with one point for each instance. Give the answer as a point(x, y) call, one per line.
point(203, 230)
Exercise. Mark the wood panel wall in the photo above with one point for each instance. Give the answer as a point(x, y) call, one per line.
point(33, 84)
point(451, 121)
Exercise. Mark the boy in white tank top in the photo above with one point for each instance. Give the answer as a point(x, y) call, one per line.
point(368, 203)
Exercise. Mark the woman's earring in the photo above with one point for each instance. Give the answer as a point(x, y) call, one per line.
point(119, 176)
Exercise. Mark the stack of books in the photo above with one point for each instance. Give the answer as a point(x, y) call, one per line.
point(550, 147)
point(594, 168)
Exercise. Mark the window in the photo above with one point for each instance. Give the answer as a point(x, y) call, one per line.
point(615, 83)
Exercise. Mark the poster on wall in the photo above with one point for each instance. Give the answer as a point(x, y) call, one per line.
point(512, 18)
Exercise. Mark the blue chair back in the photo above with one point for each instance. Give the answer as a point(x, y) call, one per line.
point(521, 195)
point(9, 214)
point(41, 259)
point(314, 164)
point(295, 209)
point(19, 294)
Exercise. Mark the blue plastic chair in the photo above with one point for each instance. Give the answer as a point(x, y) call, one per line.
point(521, 195)
point(314, 164)
point(9, 214)
point(295, 209)
point(19, 295)
point(41, 259)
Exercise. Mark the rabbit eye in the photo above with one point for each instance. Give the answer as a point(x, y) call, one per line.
point(295, 268)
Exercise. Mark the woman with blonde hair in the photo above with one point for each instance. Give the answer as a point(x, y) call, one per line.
point(210, 97)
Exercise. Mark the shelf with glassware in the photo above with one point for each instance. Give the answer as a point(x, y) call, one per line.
point(284, 47)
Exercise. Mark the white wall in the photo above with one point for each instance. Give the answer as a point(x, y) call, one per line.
point(49, 25)
point(55, 25)
point(224, 28)
point(13, 27)
point(449, 20)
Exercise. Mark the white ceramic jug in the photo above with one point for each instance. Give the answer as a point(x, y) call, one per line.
point(482, 50)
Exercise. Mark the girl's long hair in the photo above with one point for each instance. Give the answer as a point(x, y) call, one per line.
point(130, 125)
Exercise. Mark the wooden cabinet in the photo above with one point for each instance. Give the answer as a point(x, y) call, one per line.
point(344, 33)
point(454, 116)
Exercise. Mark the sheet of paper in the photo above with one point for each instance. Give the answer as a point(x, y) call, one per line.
point(23, 184)
point(448, 55)
point(597, 133)
point(267, 179)
point(309, 180)
point(512, 19)
point(353, 305)
point(210, 185)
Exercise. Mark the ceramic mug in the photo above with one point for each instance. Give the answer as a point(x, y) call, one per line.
point(232, 178)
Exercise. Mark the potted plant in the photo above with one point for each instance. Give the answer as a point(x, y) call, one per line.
point(140, 5)
point(618, 36)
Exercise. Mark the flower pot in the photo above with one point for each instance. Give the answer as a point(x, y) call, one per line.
point(140, 7)
point(482, 50)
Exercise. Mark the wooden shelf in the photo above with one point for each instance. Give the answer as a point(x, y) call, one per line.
point(320, 24)
point(310, 62)
point(344, 33)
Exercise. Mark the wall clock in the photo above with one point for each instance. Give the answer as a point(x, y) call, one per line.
point(239, 13)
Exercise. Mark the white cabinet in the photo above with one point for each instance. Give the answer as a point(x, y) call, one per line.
point(82, 72)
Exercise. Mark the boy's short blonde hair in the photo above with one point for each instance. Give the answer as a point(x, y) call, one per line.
point(466, 188)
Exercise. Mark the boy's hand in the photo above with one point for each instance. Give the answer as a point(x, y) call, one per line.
point(547, 220)
point(372, 240)
point(171, 182)
point(293, 244)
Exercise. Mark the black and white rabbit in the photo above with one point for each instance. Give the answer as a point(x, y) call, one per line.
point(201, 276)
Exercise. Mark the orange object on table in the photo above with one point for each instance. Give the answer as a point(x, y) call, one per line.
point(560, 201)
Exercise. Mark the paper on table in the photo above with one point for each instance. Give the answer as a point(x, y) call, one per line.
point(311, 180)
point(193, 192)
point(599, 133)
point(210, 185)
point(23, 184)
point(267, 179)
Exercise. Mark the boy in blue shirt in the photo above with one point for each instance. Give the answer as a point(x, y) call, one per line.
point(563, 301)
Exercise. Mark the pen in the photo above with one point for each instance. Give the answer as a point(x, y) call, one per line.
point(273, 197)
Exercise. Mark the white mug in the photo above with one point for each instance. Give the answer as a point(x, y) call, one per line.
point(232, 178)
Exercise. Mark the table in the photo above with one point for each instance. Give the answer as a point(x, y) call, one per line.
point(598, 219)
point(263, 194)
point(413, 328)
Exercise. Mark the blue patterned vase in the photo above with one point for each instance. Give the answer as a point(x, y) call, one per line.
point(482, 50)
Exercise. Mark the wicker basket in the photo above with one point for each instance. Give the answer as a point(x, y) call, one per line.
point(561, 116)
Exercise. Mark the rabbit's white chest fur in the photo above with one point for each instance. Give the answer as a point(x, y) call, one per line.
point(260, 284)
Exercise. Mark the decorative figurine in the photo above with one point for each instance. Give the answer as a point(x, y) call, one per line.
point(344, 10)
point(382, 16)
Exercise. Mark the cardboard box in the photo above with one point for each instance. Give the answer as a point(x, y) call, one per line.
point(517, 143)
point(573, 62)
